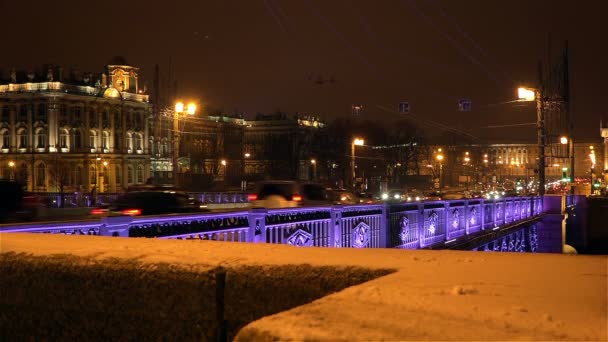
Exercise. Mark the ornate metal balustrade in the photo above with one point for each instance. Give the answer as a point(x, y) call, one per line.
point(401, 225)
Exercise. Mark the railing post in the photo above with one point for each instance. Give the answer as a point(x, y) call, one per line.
point(257, 225)
point(466, 216)
point(421, 225)
point(335, 227)
point(482, 214)
point(384, 227)
point(115, 226)
point(446, 220)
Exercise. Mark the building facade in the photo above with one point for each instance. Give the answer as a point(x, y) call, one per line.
point(74, 133)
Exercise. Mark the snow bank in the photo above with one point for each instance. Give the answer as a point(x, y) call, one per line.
point(432, 295)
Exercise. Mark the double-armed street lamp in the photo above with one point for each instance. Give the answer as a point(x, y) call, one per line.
point(355, 142)
point(180, 109)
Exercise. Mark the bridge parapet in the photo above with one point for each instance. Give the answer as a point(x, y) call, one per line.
point(398, 225)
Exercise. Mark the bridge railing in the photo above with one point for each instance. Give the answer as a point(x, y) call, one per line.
point(400, 225)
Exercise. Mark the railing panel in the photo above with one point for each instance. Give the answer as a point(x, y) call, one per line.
point(434, 224)
point(474, 216)
point(361, 226)
point(299, 226)
point(184, 226)
point(456, 224)
point(404, 226)
point(488, 212)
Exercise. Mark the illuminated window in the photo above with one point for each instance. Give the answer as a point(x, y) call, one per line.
point(77, 140)
point(40, 138)
point(22, 138)
point(6, 140)
point(105, 141)
point(63, 139)
point(93, 140)
point(140, 174)
point(118, 175)
point(130, 174)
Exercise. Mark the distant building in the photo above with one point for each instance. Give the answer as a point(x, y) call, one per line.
point(78, 132)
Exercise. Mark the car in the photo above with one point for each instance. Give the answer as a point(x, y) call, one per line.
point(156, 202)
point(289, 194)
point(393, 195)
point(414, 196)
point(434, 196)
point(342, 196)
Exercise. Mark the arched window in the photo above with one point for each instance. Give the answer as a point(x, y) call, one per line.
point(6, 140)
point(93, 140)
point(118, 175)
point(129, 143)
point(105, 141)
point(41, 175)
point(40, 138)
point(140, 173)
point(137, 142)
point(130, 174)
point(63, 140)
point(22, 138)
point(41, 112)
point(77, 140)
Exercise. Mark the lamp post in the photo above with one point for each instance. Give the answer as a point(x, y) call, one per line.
point(179, 110)
point(313, 162)
point(224, 164)
point(529, 94)
point(244, 181)
point(485, 167)
point(467, 159)
point(103, 176)
point(11, 164)
point(97, 171)
point(355, 142)
point(592, 158)
point(440, 160)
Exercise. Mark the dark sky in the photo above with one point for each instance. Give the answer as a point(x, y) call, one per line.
point(260, 56)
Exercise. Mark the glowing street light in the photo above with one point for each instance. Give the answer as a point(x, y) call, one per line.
point(247, 155)
point(439, 158)
point(313, 162)
point(356, 142)
point(180, 108)
point(526, 94)
point(11, 164)
point(563, 140)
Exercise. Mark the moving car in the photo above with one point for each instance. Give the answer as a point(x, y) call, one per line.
point(394, 195)
point(15, 203)
point(151, 203)
point(289, 194)
point(342, 196)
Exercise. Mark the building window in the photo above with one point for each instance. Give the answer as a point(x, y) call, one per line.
point(137, 142)
point(77, 140)
point(6, 114)
point(22, 138)
point(78, 175)
point(22, 175)
point(40, 139)
point(41, 113)
point(130, 174)
point(23, 113)
point(129, 143)
point(93, 140)
point(63, 112)
point(140, 174)
point(105, 119)
point(6, 140)
point(63, 140)
point(77, 114)
point(117, 140)
point(40, 175)
point(105, 141)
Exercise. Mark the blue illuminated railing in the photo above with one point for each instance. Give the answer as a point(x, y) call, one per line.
point(399, 225)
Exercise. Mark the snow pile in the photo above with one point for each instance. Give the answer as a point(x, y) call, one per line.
point(432, 295)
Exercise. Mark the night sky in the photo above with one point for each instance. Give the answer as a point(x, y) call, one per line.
point(262, 56)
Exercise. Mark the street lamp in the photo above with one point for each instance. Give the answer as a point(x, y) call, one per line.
point(530, 94)
point(563, 140)
point(592, 158)
point(440, 159)
point(224, 163)
point(11, 164)
point(467, 159)
point(356, 142)
point(314, 169)
point(180, 109)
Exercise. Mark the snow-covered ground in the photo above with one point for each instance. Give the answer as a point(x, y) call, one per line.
point(433, 295)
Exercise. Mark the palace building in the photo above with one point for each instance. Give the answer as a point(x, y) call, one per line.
point(84, 131)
